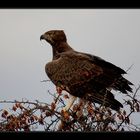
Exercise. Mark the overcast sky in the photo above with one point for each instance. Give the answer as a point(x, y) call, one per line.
point(112, 34)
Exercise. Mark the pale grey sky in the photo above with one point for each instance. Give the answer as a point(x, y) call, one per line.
point(113, 34)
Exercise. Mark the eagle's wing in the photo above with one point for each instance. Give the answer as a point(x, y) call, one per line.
point(101, 62)
point(114, 72)
point(72, 68)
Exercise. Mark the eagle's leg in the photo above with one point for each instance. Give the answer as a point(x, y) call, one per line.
point(70, 103)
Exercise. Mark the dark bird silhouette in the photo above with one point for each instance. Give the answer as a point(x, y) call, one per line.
point(84, 75)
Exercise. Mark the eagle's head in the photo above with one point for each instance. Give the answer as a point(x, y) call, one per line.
point(54, 37)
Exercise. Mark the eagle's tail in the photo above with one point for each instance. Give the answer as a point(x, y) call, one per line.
point(105, 98)
point(123, 85)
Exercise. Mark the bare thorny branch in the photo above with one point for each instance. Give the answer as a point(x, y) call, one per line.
point(92, 117)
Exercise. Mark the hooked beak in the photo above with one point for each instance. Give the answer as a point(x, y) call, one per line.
point(41, 37)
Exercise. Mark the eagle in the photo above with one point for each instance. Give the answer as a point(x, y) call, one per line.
point(83, 75)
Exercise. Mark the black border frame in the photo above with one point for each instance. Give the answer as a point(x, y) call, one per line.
point(59, 4)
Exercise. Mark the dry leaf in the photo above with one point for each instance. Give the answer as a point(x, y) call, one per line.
point(14, 108)
point(53, 105)
point(137, 107)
